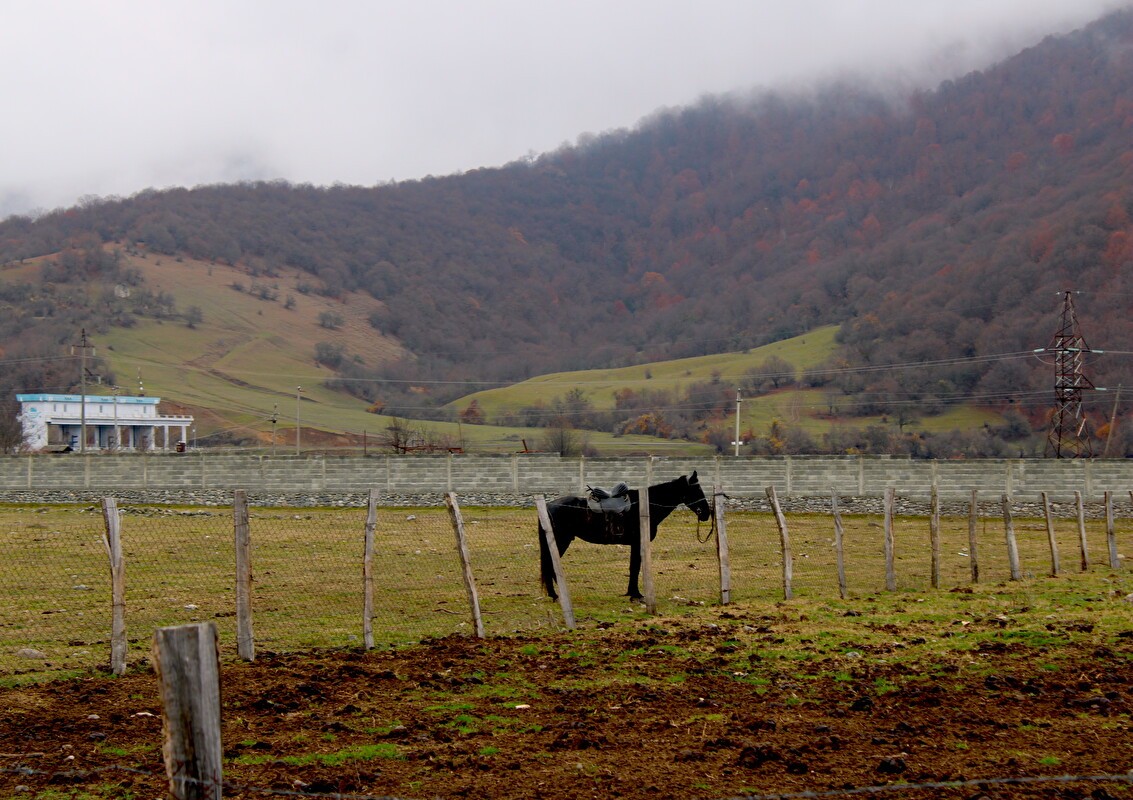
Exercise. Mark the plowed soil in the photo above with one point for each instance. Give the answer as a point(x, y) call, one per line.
point(682, 708)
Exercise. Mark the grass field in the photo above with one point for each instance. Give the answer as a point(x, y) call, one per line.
point(307, 589)
point(814, 411)
point(600, 385)
point(242, 364)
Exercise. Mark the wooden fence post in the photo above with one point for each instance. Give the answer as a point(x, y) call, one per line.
point(187, 662)
point(465, 561)
point(1111, 533)
point(113, 541)
point(973, 521)
point(722, 559)
point(368, 571)
point(839, 554)
point(934, 535)
point(1083, 545)
point(1055, 566)
point(245, 641)
point(644, 523)
point(890, 571)
point(556, 563)
point(785, 543)
point(1012, 545)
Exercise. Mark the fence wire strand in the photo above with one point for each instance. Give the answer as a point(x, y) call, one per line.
point(883, 789)
point(307, 571)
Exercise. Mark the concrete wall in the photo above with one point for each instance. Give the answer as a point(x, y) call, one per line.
point(527, 474)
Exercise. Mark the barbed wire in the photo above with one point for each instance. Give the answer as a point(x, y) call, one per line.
point(806, 794)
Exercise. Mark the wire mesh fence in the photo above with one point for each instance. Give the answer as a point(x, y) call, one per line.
point(307, 571)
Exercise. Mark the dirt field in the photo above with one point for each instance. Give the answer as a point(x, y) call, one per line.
point(703, 706)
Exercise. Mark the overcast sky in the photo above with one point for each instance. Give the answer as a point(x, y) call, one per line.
point(111, 97)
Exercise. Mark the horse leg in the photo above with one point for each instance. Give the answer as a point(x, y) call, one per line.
point(634, 569)
point(547, 566)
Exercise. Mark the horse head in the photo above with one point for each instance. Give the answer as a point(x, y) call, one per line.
point(695, 499)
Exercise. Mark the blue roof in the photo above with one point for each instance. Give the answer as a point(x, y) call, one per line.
point(91, 398)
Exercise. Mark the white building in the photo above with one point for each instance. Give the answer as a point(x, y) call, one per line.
point(112, 422)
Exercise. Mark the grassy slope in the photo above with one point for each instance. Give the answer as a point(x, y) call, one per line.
point(246, 357)
point(243, 362)
point(804, 408)
point(672, 376)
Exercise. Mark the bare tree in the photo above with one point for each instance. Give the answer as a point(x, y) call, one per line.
point(560, 438)
point(12, 438)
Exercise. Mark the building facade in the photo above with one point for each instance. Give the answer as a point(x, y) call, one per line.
point(110, 422)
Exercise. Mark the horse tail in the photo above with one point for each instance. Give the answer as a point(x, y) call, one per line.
point(547, 567)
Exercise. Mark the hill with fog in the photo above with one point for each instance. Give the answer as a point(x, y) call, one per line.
point(936, 230)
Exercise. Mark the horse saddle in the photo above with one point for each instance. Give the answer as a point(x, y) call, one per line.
point(611, 501)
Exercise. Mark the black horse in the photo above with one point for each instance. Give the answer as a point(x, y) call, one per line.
point(571, 518)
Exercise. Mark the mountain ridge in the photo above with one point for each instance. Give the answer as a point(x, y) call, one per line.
point(942, 228)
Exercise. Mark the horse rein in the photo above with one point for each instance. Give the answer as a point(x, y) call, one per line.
point(712, 527)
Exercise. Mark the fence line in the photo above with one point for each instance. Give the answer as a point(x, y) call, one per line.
point(297, 571)
point(891, 789)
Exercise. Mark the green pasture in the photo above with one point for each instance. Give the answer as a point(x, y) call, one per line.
point(242, 370)
point(810, 411)
point(307, 567)
point(600, 385)
point(259, 376)
point(815, 411)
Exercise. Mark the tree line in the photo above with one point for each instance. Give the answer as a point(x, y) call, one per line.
point(939, 227)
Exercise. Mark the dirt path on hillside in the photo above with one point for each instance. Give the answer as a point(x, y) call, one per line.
point(677, 709)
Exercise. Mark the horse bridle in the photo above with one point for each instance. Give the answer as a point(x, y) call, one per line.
point(712, 527)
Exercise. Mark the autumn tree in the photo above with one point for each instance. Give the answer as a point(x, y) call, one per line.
point(472, 413)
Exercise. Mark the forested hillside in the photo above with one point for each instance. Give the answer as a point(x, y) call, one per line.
point(937, 227)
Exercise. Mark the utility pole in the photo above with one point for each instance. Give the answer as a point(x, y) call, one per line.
point(274, 419)
point(83, 347)
point(298, 402)
point(737, 441)
point(1112, 422)
point(117, 434)
point(1069, 434)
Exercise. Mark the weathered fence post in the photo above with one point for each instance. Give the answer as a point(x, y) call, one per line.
point(368, 571)
point(1055, 566)
point(1083, 545)
point(1111, 533)
point(245, 642)
point(465, 561)
point(934, 535)
point(890, 571)
point(973, 521)
point(113, 542)
point(556, 562)
point(722, 559)
point(187, 663)
point(785, 542)
point(839, 554)
point(1012, 545)
point(645, 524)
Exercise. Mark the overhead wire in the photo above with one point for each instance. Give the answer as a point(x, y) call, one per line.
point(856, 400)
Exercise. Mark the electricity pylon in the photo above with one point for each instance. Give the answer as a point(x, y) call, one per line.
point(1069, 434)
